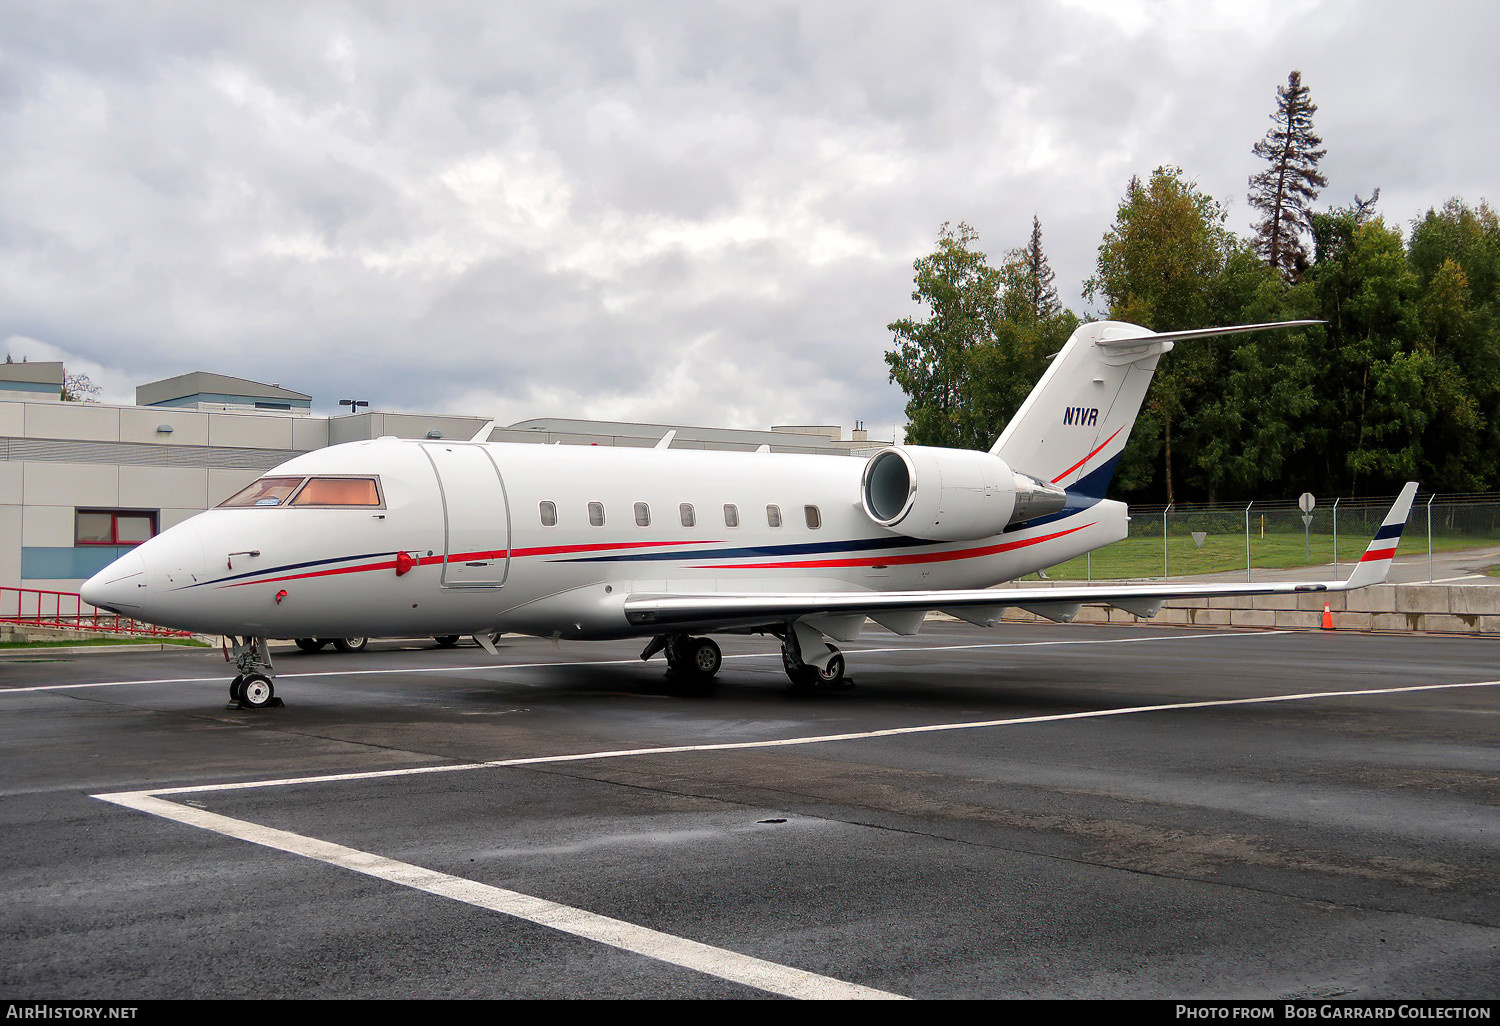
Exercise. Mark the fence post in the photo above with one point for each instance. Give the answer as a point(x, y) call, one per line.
point(1247, 540)
point(1335, 537)
point(1429, 536)
point(1164, 559)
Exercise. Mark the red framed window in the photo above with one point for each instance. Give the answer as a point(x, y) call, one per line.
point(113, 526)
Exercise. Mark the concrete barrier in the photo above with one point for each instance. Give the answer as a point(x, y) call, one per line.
point(1407, 608)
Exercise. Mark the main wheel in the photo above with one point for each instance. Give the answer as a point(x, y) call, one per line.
point(703, 657)
point(237, 688)
point(310, 644)
point(805, 675)
point(446, 640)
point(256, 692)
point(350, 644)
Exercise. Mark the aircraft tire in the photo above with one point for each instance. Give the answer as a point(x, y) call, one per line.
point(804, 675)
point(237, 688)
point(704, 657)
point(310, 644)
point(446, 640)
point(350, 644)
point(256, 691)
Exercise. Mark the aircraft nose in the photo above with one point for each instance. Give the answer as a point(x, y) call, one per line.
point(120, 586)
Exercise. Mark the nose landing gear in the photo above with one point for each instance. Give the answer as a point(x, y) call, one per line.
point(252, 687)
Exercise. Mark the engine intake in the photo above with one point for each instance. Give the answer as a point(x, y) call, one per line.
point(951, 494)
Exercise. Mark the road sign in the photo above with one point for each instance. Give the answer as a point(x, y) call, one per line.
point(1307, 502)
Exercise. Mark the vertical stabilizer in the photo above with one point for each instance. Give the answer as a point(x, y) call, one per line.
point(1073, 427)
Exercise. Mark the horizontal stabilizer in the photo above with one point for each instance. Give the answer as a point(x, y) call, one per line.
point(1177, 336)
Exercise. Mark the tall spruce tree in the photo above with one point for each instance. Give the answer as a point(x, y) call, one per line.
point(1040, 291)
point(1285, 190)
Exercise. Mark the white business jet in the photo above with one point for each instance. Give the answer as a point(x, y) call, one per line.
point(402, 537)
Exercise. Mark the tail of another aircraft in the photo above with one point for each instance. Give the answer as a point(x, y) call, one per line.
point(1073, 427)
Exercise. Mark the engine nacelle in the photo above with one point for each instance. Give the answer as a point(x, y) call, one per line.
point(951, 494)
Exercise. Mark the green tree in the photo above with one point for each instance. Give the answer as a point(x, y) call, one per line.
point(931, 358)
point(1162, 265)
point(1284, 191)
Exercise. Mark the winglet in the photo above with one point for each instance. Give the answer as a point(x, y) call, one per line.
point(1375, 564)
point(666, 440)
point(483, 434)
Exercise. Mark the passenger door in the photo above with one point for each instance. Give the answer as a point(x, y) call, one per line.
point(476, 515)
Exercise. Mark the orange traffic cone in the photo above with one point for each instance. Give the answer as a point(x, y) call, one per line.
point(1327, 617)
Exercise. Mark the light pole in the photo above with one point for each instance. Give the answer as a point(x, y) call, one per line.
point(353, 404)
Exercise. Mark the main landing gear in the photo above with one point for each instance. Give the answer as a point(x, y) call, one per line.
point(829, 677)
point(697, 660)
point(252, 687)
point(822, 673)
point(694, 660)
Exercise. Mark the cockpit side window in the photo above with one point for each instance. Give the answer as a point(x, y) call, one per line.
point(338, 491)
point(268, 491)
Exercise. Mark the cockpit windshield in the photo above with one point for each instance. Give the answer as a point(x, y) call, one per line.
point(338, 491)
point(268, 491)
point(310, 491)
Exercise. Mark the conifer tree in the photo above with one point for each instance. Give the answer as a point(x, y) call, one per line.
point(1285, 190)
point(1041, 293)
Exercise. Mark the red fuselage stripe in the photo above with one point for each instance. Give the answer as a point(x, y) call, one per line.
point(922, 557)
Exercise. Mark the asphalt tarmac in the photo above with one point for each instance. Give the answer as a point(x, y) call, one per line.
point(1030, 811)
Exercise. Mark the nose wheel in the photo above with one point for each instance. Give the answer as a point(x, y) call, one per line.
point(252, 688)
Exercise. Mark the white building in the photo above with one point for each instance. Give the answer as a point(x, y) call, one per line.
point(82, 482)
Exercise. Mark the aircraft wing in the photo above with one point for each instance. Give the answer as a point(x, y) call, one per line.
point(841, 614)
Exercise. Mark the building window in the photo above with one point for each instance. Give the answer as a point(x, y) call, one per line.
point(642, 515)
point(773, 516)
point(112, 527)
point(814, 518)
point(689, 517)
point(731, 515)
point(596, 514)
point(549, 513)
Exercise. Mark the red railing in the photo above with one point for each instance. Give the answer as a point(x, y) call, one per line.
point(68, 611)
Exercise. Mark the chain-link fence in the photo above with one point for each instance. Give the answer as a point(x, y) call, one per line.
point(1189, 539)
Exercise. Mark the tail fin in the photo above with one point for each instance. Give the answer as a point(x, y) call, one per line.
point(1073, 427)
point(1375, 564)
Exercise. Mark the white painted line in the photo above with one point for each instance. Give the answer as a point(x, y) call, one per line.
point(718, 962)
point(727, 746)
point(629, 662)
point(664, 947)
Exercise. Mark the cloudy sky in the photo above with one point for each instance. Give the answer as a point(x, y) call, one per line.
point(685, 212)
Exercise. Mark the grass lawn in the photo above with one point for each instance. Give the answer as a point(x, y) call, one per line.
point(185, 642)
point(1141, 557)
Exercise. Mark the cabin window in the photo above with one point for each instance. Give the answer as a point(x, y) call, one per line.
point(731, 515)
point(338, 491)
point(112, 527)
point(549, 513)
point(814, 518)
point(689, 516)
point(642, 515)
point(268, 491)
point(596, 514)
point(773, 516)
